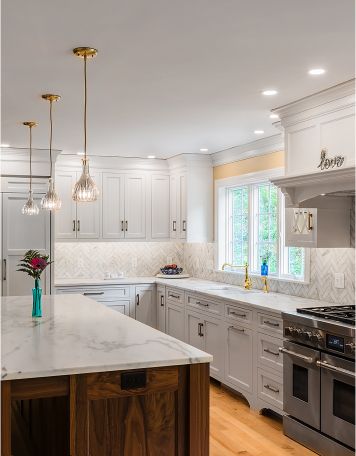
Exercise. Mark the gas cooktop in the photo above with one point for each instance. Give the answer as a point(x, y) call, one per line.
point(344, 314)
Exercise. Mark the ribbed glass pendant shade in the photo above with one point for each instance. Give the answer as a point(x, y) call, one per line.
point(85, 189)
point(51, 201)
point(30, 207)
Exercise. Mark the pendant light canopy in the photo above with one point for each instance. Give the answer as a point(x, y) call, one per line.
point(85, 189)
point(30, 207)
point(51, 200)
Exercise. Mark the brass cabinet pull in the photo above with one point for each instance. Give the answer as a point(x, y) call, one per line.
point(174, 225)
point(267, 350)
point(309, 223)
point(270, 323)
point(200, 327)
point(78, 225)
point(162, 301)
point(4, 271)
point(184, 225)
point(73, 225)
point(271, 388)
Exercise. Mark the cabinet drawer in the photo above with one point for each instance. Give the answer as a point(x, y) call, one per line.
point(268, 352)
point(201, 303)
point(270, 323)
point(270, 388)
point(175, 296)
point(236, 313)
point(98, 293)
point(119, 305)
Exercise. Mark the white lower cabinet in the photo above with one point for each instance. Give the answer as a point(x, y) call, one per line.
point(175, 320)
point(161, 309)
point(270, 389)
point(239, 356)
point(117, 305)
point(145, 305)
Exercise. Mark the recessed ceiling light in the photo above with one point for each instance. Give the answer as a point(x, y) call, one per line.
point(259, 132)
point(269, 92)
point(80, 153)
point(316, 71)
point(5, 145)
point(274, 116)
point(203, 149)
point(151, 156)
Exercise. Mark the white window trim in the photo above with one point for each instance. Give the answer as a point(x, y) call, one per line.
point(220, 226)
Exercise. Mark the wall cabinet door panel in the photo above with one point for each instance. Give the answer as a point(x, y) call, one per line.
point(174, 216)
point(135, 207)
point(182, 207)
point(65, 218)
point(88, 214)
point(113, 206)
point(160, 207)
point(146, 310)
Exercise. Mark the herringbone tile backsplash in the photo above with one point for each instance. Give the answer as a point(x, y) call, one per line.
point(93, 259)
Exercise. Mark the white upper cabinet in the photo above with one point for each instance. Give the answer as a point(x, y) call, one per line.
point(178, 206)
point(173, 202)
point(135, 206)
point(160, 202)
point(323, 121)
point(88, 214)
point(182, 228)
point(113, 206)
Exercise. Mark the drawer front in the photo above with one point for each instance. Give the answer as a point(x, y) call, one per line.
point(269, 355)
point(175, 296)
point(270, 388)
point(236, 313)
point(270, 323)
point(98, 293)
point(119, 305)
point(202, 303)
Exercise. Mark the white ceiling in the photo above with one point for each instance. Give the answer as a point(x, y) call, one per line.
point(171, 76)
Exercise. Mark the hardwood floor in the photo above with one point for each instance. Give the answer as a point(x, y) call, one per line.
point(236, 430)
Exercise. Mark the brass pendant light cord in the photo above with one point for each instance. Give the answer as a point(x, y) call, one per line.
point(30, 158)
point(85, 108)
point(50, 137)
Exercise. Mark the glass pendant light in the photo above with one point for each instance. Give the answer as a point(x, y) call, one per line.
point(51, 201)
point(30, 207)
point(85, 189)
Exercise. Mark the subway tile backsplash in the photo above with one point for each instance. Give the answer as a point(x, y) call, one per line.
point(93, 259)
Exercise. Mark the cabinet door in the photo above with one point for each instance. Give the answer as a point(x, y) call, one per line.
point(194, 330)
point(113, 206)
point(173, 198)
point(65, 218)
point(22, 233)
point(161, 309)
point(135, 207)
point(175, 321)
point(214, 344)
point(182, 207)
point(88, 214)
point(160, 207)
point(146, 305)
point(118, 305)
point(238, 357)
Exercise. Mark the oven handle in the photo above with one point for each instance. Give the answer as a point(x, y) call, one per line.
point(307, 359)
point(328, 366)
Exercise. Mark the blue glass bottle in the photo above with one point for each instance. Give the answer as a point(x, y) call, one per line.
point(264, 269)
point(37, 299)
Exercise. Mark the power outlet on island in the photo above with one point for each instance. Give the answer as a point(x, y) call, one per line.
point(339, 280)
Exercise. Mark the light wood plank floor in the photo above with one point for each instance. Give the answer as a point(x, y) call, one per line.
point(236, 430)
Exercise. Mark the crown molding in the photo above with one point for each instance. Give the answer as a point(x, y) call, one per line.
point(253, 149)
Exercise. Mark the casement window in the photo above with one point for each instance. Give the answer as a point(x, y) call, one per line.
point(250, 224)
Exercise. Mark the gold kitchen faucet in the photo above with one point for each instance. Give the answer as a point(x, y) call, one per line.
point(248, 281)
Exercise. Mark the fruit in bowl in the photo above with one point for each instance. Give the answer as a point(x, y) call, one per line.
point(171, 269)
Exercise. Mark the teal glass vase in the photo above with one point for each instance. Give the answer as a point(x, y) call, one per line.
point(37, 299)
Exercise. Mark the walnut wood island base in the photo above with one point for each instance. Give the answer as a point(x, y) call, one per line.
point(86, 408)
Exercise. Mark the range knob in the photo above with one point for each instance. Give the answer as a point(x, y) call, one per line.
point(307, 335)
point(296, 332)
point(288, 330)
point(350, 348)
point(316, 337)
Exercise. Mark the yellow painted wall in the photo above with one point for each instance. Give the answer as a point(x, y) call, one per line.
point(250, 165)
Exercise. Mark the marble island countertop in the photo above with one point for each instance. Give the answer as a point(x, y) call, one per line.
point(276, 302)
point(78, 335)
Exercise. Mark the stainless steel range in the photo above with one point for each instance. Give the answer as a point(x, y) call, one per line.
point(319, 378)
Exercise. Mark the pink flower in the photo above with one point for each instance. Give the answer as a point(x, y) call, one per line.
point(38, 263)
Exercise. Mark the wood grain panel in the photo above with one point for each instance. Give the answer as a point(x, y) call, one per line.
point(5, 418)
point(79, 438)
point(108, 384)
point(199, 409)
point(36, 388)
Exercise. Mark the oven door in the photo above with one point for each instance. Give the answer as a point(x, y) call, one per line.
point(338, 398)
point(301, 383)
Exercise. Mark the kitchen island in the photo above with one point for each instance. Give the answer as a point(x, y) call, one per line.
point(85, 380)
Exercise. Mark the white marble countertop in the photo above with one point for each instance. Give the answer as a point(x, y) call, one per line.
point(275, 302)
point(78, 335)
